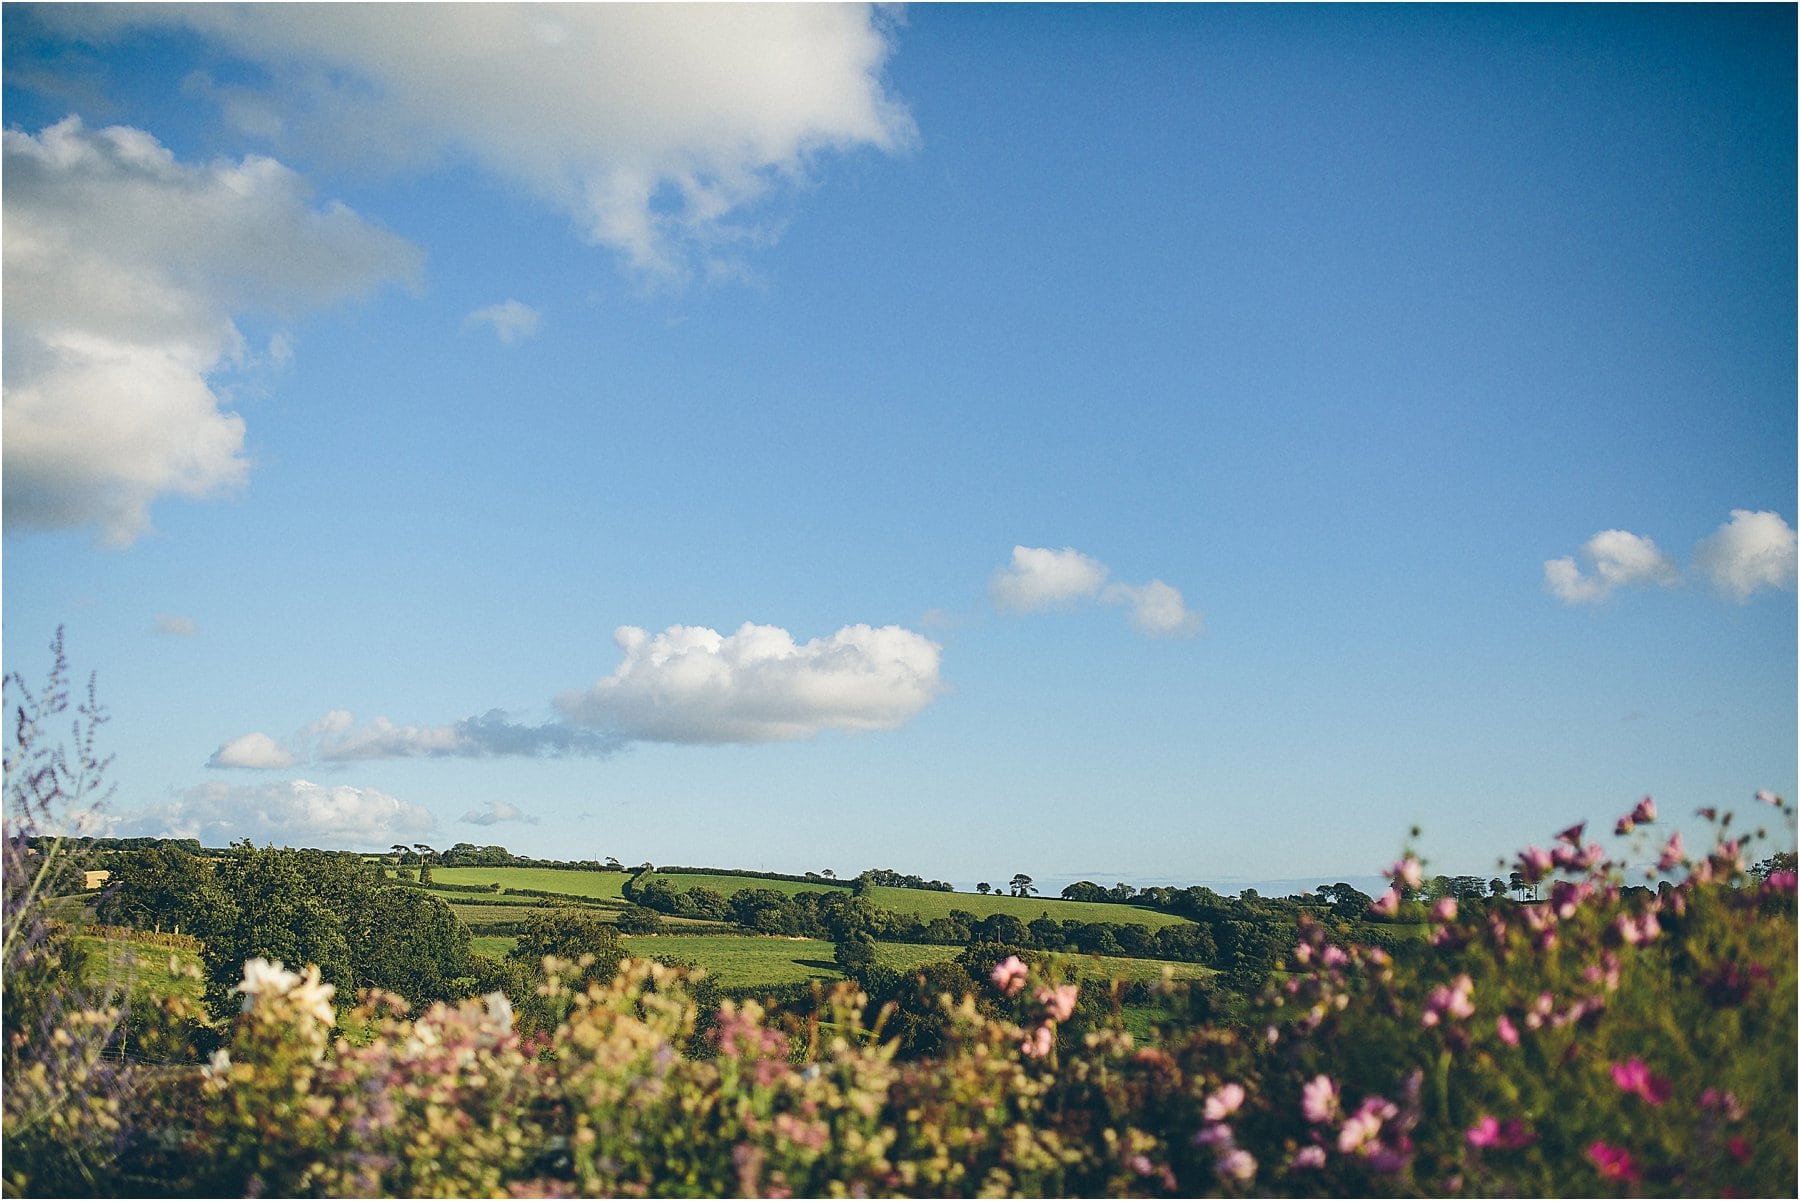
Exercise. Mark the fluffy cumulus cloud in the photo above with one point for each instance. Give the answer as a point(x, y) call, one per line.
point(660, 130)
point(1615, 559)
point(512, 321)
point(1156, 609)
point(1041, 578)
point(1750, 552)
point(689, 684)
point(494, 812)
point(289, 812)
point(253, 750)
point(124, 269)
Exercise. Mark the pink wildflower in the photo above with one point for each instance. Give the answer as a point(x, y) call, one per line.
point(1572, 835)
point(1781, 882)
point(1388, 905)
point(1726, 1101)
point(1509, 1033)
point(1236, 1164)
point(1223, 1103)
point(1490, 1132)
point(1213, 1134)
point(1333, 956)
point(1638, 930)
point(1308, 1157)
point(1363, 1127)
point(1059, 1002)
point(1009, 975)
point(1450, 1000)
point(1767, 797)
point(1319, 1099)
point(1635, 1076)
point(1534, 864)
point(1407, 872)
point(1444, 910)
point(1037, 1044)
point(1614, 1163)
point(1673, 853)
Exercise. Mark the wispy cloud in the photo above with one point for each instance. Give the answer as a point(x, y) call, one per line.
point(175, 626)
point(338, 738)
point(511, 321)
point(657, 129)
point(1039, 578)
point(492, 813)
point(124, 270)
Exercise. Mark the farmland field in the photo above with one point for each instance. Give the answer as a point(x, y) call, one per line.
point(567, 881)
point(141, 967)
point(743, 960)
point(732, 884)
point(928, 905)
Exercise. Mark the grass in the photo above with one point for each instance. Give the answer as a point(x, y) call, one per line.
point(727, 885)
point(743, 960)
point(928, 905)
point(569, 882)
point(141, 968)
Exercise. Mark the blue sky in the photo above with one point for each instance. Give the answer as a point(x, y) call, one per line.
point(1161, 444)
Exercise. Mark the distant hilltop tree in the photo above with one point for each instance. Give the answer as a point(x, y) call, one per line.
point(1022, 886)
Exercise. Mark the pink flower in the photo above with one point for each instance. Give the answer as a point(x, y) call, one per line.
point(1224, 1103)
point(1308, 1157)
point(1236, 1164)
point(1319, 1099)
point(1333, 956)
point(1635, 1076)
point(1614, 1163)
point(1673, 853)
point(1444, 910)
point(1645, 811)
point(1363, 1127)
point(1781, 882)
point(1449, 1000)
point(1767, 797)
point(1638, 930)
point(1037, 1044)
point(1215, 1134)
point(1534, 864)
point(1407, 872)
point(1059, 1002)
point(1490, 1132)
point(1509, 1033)
point(1009, 975)
point(1572, 835)
point(1720, 1099)
point(1388, 905)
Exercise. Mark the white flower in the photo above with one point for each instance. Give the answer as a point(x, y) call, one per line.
point(499, 1011)
point(264, 979)
point(314, 996)
point(219, 1066)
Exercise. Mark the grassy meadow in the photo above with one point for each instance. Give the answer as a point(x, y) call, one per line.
point(569, 882)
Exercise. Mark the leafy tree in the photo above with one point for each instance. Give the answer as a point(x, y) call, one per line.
point(638, 919)
point(855, 955)
point(1021, 885)
point(983, 888)
point(570, 934)
point(411, 944)
point(159, 888)
point(268, 910)
point(1084, 890)
point(425, 854)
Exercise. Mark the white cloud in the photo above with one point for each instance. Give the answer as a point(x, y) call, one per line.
point(123, 270)
point(253, 750)
point(1750, 552)
point(512, 321)
point(1157, 609)
point(176, 626)
point(658, 129)
point(495, 812)
point(1617, 559)
point(693, 685)
point(291, 812)
point(336, 738)
point(1040, 578)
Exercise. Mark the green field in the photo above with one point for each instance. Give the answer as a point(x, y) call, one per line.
point(743, 960)
point(728, 885)
point(927, 904)
point(603, 886)
point(140, 968)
